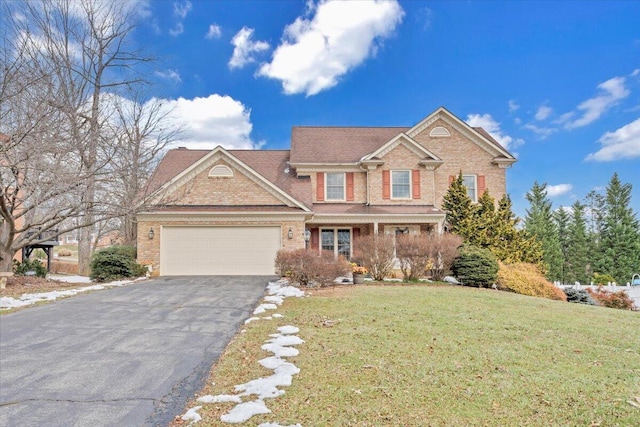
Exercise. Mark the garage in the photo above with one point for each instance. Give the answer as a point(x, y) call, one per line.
point(219, 250)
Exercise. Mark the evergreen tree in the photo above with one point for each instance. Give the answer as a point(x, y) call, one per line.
point(511, 244)
point(562, 220)
point(577, 258)
point(620, 242)
point(484, 222)
point(595, 210)
point(539, 223)
point(459, 208)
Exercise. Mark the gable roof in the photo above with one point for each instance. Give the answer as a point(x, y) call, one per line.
point(317, 145)
point(269, 166)
point(404, 139)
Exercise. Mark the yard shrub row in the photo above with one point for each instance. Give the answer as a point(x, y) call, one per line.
point(308, 268)
point(611, 299)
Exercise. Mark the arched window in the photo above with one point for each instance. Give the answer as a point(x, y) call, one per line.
point(439, 131)
point(221, 171)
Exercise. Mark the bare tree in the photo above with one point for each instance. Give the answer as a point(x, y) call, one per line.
point(72, 157)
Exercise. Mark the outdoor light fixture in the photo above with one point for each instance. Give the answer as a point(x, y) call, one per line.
point(307, 235)
point(151, 234)
point(290, 234)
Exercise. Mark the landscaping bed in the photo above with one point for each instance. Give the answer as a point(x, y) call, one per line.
point(18, 285)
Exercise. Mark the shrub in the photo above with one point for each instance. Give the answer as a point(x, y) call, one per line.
point(610, 299)
point(443, 249)
point(376, 253)
point(64, 252)
point(115, 262)
point(21, 268)
point(579, 296)
point(475, 266)
point(413, 253)
point(527, 279)
point(308, 267)
point(602, 279)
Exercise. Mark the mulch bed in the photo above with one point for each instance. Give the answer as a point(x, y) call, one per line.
point(18, 285)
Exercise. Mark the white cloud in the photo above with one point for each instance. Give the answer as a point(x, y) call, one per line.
point(543, 112)
point(315, 52)
point(214, 32)
point(212, 121)
point(558, 190)
point(635, 72)
point(624, 143)
point(244, 48)
point(611, 92)
point(487, 122)
point(544, 132)
point(169, 75)
point(513, 106)
point(424, 17)
point(180, 12)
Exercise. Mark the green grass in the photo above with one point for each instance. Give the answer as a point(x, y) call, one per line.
point(444, 356)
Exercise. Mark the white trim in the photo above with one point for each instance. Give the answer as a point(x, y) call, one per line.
point(439, 132)
point(410, 172)
point(344, 187)
point(408, 142)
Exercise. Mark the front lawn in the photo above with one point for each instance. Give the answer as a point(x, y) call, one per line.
point(443, 356)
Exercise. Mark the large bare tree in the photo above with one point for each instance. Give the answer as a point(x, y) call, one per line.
point(68, 145)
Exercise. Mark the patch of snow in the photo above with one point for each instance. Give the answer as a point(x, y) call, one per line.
point(275, 299)
point(251, 319)
point(280, 351)
point(69, 279)
point(277, 316)
point(264, 307)
point(242, 412)
point(192, 415)
point(278, 425)
point(28, 299)
point(272, 362)
point(288, 329)
point(286, 340)
point(450, 279)
point(221, 398)
point(265, 387)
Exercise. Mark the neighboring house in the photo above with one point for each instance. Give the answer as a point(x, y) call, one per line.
point(229, 211)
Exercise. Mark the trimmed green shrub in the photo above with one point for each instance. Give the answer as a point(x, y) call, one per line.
point(115, 262)
point(475, 266)
point(579, 296)
point(602, 279)
point(21, 268)
point(527, 279)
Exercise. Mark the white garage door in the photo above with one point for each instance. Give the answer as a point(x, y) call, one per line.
point(218, 250)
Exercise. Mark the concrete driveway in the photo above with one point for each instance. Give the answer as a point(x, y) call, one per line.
point(128, 356)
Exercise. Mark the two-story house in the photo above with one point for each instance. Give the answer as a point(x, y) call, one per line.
point(229, 211)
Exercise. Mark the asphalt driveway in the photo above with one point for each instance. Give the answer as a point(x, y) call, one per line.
point(128, 356)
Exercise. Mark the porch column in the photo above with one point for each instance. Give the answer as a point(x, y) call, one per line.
point(375, 227)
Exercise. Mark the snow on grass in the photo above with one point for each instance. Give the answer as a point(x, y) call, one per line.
point(242, 412)
point(192, 415)
point(280, 345)
point(29, 299)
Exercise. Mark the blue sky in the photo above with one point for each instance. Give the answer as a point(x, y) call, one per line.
point(558, 83)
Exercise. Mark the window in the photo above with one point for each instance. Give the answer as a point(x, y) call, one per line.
point(221, 171)
point(337, 241)
point(470, 182)
point(335, 186)
point(400, 184)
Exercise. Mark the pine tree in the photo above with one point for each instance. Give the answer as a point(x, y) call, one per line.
point(562, 220)
point(459, 208)
point(577, 258)
point(595, 210)
point(513, 245)
point(539, 223)
point(483, 222)
point(620, 243)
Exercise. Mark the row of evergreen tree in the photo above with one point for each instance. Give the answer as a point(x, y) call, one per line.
point(594, 238)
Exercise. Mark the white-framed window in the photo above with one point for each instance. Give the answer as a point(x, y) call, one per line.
point(401, 184)
point(336, 240)
point(471, 182)
point(334, 186)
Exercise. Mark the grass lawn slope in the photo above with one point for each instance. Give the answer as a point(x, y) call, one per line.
point(443, 356)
